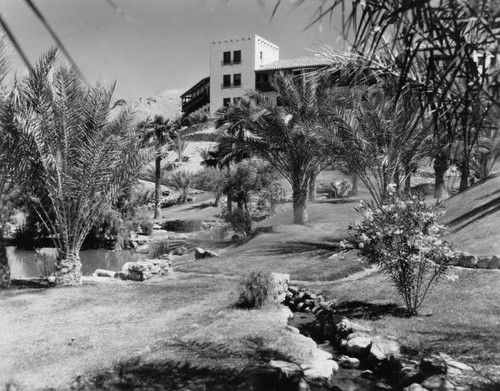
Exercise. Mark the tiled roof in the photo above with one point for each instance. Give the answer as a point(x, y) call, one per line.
point(301, 62)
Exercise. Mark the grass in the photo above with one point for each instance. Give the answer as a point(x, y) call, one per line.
point(150, 327)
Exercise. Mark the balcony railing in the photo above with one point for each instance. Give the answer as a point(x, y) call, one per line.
point(195, 103)
point(263, 86)
point(234, 85)
point(234, 62)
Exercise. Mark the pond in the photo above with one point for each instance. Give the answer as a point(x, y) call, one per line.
point(23, 263)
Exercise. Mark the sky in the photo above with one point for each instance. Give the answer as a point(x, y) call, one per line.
point(149, 46)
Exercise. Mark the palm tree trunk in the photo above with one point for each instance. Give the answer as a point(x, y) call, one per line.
point(4, 264)
point(69, 269)
point(440, 167)
point(158, 192)
point(299, 203)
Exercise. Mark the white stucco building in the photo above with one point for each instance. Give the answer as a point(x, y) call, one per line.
point(236, 66)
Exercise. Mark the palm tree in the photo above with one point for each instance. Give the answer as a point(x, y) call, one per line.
point(379, 138)
point(181, 181)
point(84, 155)
point(159, 132)
point(280, 135)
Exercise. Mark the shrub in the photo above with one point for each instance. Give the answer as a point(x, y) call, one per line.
point(240, 220)
point(253, 290)
point(157, 249)
point(402, 237)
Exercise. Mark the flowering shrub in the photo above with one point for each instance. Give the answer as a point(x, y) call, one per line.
point(402, 237)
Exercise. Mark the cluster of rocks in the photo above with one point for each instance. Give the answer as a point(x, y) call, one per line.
point(382, 361)
point(464, 259)
point(140, 270)
point(302, 300)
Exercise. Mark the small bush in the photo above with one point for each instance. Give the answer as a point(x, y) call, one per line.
point(240, 221)
point(402, 237)
point(146, 227)
point(254, 290)
point(157, 249)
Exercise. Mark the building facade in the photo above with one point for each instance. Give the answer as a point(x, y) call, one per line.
point(238, 65)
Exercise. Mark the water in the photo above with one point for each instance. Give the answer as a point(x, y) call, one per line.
point(23, 263)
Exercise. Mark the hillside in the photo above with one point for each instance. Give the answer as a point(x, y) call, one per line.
point(168, 104)
point(473, 218)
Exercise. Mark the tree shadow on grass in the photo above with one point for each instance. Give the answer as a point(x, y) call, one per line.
point(287, 248)
point(369, 311)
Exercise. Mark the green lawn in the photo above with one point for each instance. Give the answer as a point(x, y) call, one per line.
point(190, 318)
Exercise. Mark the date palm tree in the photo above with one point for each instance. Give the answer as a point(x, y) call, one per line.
point(280, 135)
point(82, 155)
point(157, 131)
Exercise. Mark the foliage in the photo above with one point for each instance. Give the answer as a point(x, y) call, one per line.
point(81, 154)
point(402, 237)
point(253, 290)
point(240, 220)
point(211, 180)
point(280, 135)
point(271, 196)
point(379, 137)
point(203, 137)
point(182, 182)
point(159, 248)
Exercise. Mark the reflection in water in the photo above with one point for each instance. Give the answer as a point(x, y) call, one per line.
point(23, 263)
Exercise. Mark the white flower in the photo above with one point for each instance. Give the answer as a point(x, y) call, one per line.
point(364, 238)
point(361, 245)
point(391, 188)
point(368, 215)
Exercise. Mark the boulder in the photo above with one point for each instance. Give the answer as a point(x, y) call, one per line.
point(358, 346)
point(483, 262)
point(438, 383)
point(495, 263)
point(142, 249)
point(410, 375)
point(467, 260)
point(104, 273)
point(432, 365)
point(320, 372)
point(126, 266)
point(289, 370)
point(201, 253)
point(414, 387)
point(381, 349)
point(278, 284)
point(155, 269)
point(348, 362)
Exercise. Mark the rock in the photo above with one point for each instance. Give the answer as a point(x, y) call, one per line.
point(293, 330)
point(359, 346)
point(410, 375)
point(146, 274)
point(126, 266)
point(367, 374)
point(381, 349)
point(289, 370)
point(201, 253)
point(432, 365)
point(348, 362)
point(122, 275)
point(134, 276)
point(155, 269)
point(104, 273)
point(438, 383)
point(483, 262)
point(156, 226)
point(467, 260)
point(414, 387)
point(142, 249)
point(320, 372)
point(381, 386)
point(51, 279)
point(495, 263)
point(278, 284)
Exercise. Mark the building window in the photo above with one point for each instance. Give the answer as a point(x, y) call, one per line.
point(226, 102)
point(226, 58)
point(237, 57)
point(226, 81)
point(237, 79)
point(261, 55)
point(236, 99)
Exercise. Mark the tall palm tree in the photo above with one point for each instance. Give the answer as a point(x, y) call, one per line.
point(159, 132)
point(280, 135)
point(84, 155)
